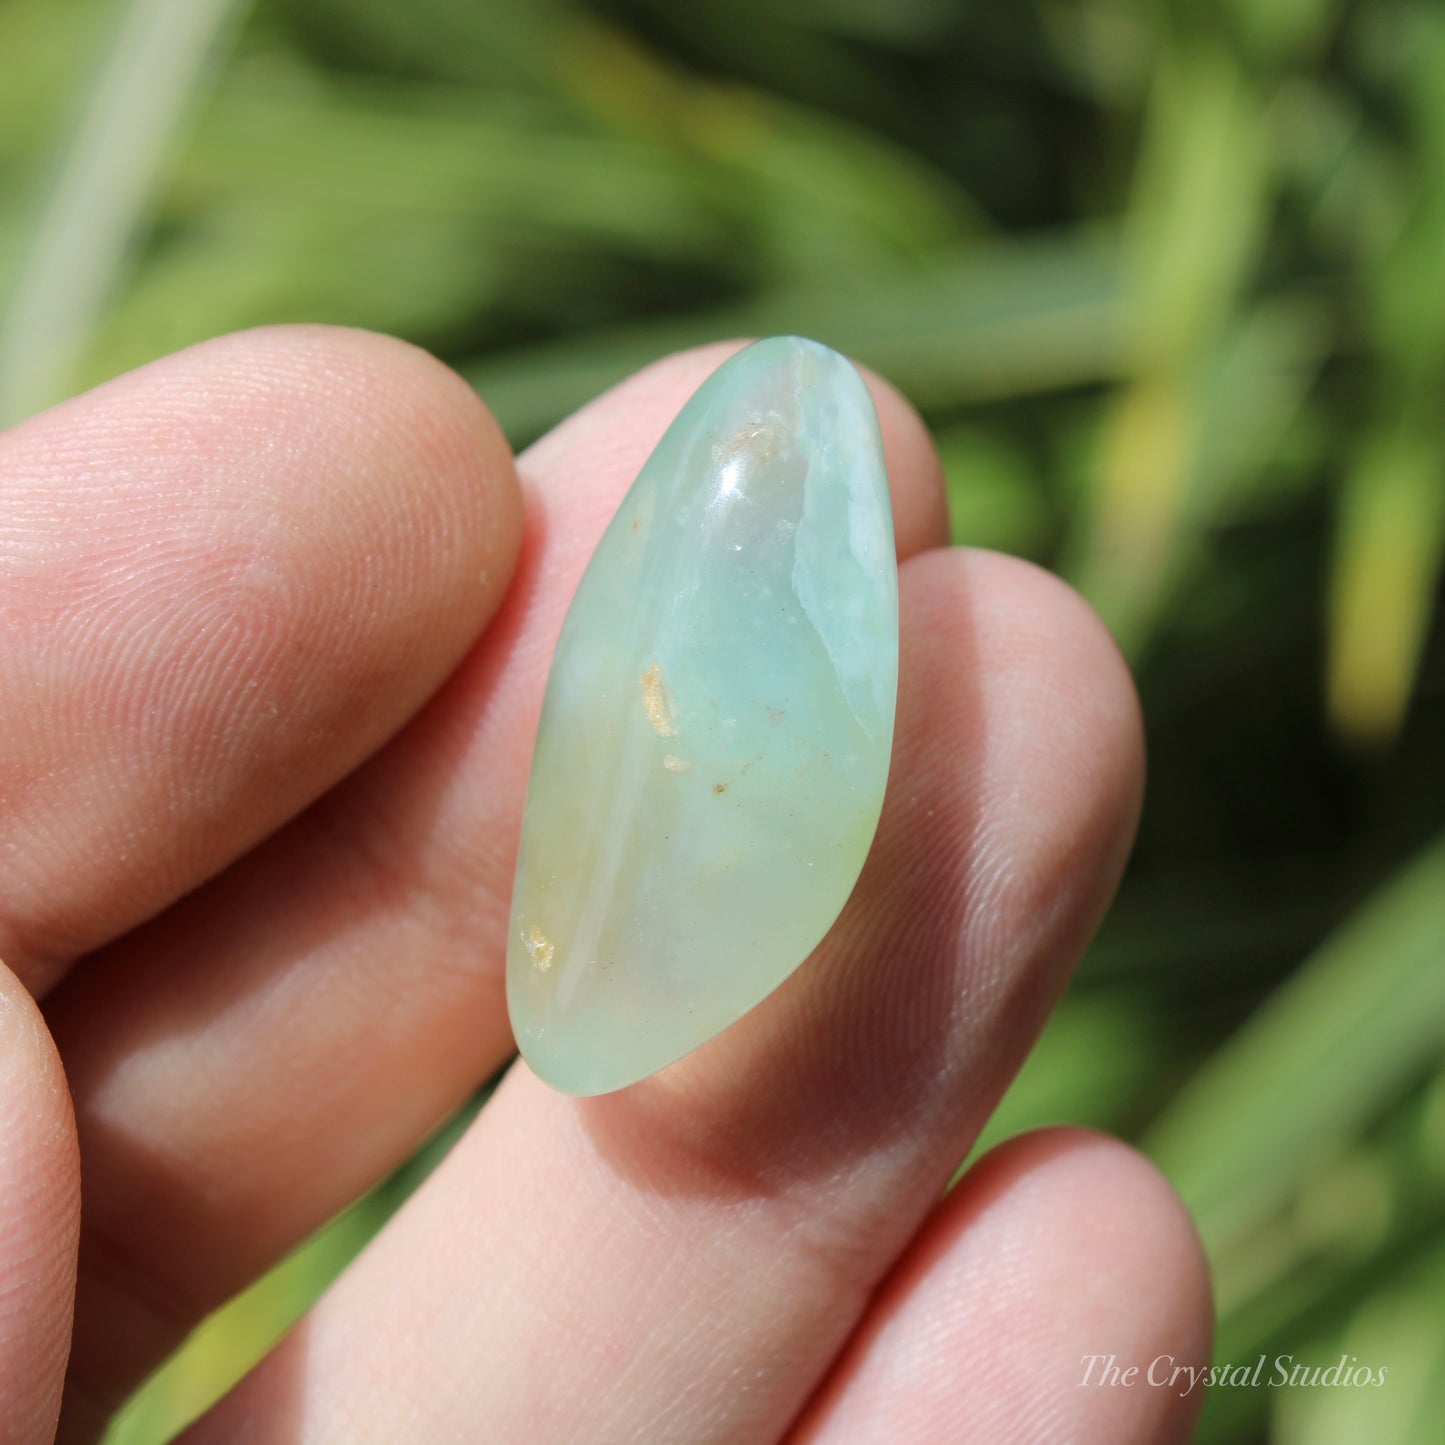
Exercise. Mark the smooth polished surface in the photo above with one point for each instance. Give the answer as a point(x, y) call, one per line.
point(715, 737)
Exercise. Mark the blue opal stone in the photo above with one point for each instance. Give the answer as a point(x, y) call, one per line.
point(718, 720)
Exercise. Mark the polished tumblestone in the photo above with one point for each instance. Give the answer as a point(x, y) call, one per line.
point(715, 738)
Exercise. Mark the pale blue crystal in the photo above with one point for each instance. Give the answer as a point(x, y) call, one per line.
point(716, 732)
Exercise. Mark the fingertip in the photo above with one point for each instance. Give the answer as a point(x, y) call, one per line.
point(32, 1083)
point(39, 1217)
point(921, 509)
point(252, 561)
point(1126, 1211)
point(1052, 713)
point(617, 431)
point(344, 429)
point(412, 446)
point(1058, 1292)
point(1108, 1266)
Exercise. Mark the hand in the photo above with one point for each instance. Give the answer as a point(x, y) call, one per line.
point(275, 617)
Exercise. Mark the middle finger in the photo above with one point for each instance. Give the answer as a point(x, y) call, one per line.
point(681, 1260)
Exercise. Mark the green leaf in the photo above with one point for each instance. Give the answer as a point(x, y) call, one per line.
point(1398, 1336)
point(1389, 553)
point(1184, 453)
point(102, 186)
point(980, 325)
point(1321, 1059)
point(994, 498)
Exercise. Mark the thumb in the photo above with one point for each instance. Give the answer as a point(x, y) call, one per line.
point(39, 1218)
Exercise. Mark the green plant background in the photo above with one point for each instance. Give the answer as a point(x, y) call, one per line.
point(1168, 281)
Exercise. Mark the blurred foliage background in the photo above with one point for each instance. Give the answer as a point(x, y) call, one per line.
point(1168, 280)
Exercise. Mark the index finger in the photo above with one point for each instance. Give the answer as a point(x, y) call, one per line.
point(224, 580)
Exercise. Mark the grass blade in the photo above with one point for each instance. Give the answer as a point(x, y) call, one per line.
point(1317, 1062)
point(978, 325)
point(103, 183)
